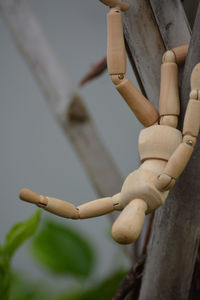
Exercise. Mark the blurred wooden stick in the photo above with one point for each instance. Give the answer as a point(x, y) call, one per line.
point(66, 105)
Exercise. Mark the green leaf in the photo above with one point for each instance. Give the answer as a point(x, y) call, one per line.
point(62, 250)
point(5, 280)
point(104, 290)
point(20, 232)
point(5, 276)
point(24, 289)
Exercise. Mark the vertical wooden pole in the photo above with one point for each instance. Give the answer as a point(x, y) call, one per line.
point(175, 236)
point(176, 231)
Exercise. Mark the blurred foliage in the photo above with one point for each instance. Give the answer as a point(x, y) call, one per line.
point(17, 235)
point(20, 232)
point(102, 291)
point(22, 289)
point(63, 251)
point(60, 250)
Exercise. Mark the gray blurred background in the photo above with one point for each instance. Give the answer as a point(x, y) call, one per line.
point(35, 153)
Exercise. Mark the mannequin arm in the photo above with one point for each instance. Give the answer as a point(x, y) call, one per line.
point(116, 61)
point(169, 103)
point(67, 210)
point(182, 154)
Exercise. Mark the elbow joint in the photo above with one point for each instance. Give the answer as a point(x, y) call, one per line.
point(117, 78)
point(189, 139)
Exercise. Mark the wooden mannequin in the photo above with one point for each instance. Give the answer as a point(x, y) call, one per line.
point(164, 153)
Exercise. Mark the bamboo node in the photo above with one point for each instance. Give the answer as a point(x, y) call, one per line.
point(77, 112)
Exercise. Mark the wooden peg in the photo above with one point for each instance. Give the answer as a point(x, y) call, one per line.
point(53, 205)
point(192, 118)
point(190, 140)
point(169, 103)
point(195, 94)
point(116, 202)
point(116, 3)
point(169, 120)
point(96, 208)
point(29, 196)
point(178, 160)
point(129, 224)
point(116, 53)
point(195, 78)
point(142, 108)
point(164, 182)
point(169, 57)
point(62, 208)
point(181, 53)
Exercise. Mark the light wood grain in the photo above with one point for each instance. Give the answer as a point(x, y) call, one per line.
point(158, 142)
point(116, 60)
point(178, 160)
point(153, 165)
point(116, 55)
point(169, 121)
point(55, 206)
point(61, 208)
point(164, 182)
point(129, 224)
point(192, 118)
point(181, 53)
point(96, 208)
point(140, 184)
point(142, 108)
point(195, 78)
point(169, 103)
point(29, 196)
